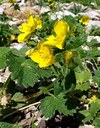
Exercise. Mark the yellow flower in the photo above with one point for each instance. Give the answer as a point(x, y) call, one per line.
point(12, 1)
point(29, 27)
point(61, 27)
point(85, 20)
point(93, 98)
point(38, 21)
point(43, 56)
point(69, 55)
point(23, 37)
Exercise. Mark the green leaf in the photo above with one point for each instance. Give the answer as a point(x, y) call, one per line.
point(80, 40)
point(44, 73)
point(8, 125)
point(93, 110)
point(76, 42)
point(3, 53)
point(93, 53)
point(96, 78)
point(83, 76)
point(17, 95)
point(48, 106)
point(70, 81)
point(57, 88)
point(86, 116)
point(94, 107)
point(83, 86)
point(16, 7)
point(51, 104)
point(96, 122)
point(93, 42)
point(44, 90)
point(16, 98)
point(33, 125)
point(23, 70)
point(70, 20)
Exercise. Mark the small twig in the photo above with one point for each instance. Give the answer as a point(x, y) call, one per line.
point(21, 109)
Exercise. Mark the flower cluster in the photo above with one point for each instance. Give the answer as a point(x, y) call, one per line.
point(26, 29)
point(43, 55)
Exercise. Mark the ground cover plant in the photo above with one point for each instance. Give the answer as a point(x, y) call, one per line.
point(52, 70)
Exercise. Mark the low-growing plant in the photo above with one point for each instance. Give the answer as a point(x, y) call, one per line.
point(56, 69)
point(6, 31)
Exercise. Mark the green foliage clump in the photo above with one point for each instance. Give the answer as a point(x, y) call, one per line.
point(63, 87)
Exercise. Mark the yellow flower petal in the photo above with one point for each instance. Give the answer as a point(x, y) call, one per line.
point(23, 37)
point(60, 41)
point(61, 27)
point(24, 27)
point(55, 41)
point(35, 56)
point(31, 21)
point(38, 21)
point(51, 41)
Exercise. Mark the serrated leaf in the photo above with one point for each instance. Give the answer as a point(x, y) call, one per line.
point(83, 76)
point(44, 73)
point(51, 104)
point(44, 90)
point(86, 115)
point(94, 108)
point(83, 86)
point(48, 106)
point(57, 88)
point(23, 70)
point(8, 125)
point(96, 78)
point(93, 42)
point(93, 53)
point(16, 98)
point(17, 95)
point(3, 53)
point(80, 40)
point(96, 122)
